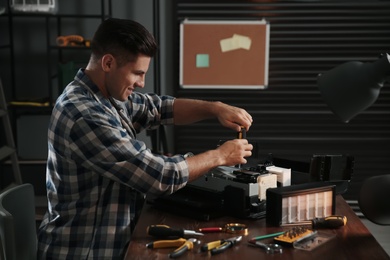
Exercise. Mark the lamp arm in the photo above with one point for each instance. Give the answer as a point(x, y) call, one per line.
point(381, 69)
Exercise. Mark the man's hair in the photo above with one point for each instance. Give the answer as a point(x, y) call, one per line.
point(124, 39)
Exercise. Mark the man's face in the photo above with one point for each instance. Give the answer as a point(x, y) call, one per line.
point(122, 80)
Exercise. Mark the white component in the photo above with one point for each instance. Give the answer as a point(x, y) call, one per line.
point(284, 175)
point(266, 181)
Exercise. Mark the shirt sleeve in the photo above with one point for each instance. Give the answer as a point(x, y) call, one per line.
point(148, 111)
point(101, 145)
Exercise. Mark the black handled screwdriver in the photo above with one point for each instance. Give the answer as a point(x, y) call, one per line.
point(333, 221)
point(166, 231)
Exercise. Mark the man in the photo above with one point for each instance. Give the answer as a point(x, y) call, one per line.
point(95, 163)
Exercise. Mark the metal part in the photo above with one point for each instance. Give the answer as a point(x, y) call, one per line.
point(269, 248)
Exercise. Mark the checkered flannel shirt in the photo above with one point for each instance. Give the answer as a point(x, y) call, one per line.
point(94, 167)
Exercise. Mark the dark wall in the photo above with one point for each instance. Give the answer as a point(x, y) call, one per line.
point(290, 119)
point(35, 67)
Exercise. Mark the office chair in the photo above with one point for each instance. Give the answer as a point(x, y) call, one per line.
point(374, 199)
point(17, 223)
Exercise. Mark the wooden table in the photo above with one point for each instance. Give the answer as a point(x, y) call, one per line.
point(353, 241)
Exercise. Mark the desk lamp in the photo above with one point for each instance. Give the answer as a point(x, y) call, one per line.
point(349, 89)
point(352, 87)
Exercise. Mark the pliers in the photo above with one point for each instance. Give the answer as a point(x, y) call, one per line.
point(182, 244)
point(218, 246)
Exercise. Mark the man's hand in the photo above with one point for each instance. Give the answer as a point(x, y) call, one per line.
point(233, 117)
point(234, 151)
point(230, 153)
point(188, 111)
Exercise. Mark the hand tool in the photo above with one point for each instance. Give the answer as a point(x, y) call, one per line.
point(233, 228)
point(266, 236)
point(218, 246)
point(329, 222)
point(182, 244)
point(333, 221)
point(269, 248)
point(242, 133)
point(166, 231)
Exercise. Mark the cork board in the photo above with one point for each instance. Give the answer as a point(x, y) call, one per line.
point(224, 54)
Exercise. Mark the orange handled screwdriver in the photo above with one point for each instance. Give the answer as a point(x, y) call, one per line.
point(242, 133)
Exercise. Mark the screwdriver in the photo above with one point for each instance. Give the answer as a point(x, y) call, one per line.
point(166, 231)
point(241, 135)
point(333, 221)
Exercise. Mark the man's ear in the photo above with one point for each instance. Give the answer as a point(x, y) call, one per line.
point(107, 62)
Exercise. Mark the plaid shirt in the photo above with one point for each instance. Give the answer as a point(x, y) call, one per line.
point(95, 167)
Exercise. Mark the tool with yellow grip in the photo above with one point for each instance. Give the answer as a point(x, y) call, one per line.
point(182, 244)
point(218, 246)
point(334, 221)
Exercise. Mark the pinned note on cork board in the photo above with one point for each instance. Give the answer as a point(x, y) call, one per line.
point(224, 54)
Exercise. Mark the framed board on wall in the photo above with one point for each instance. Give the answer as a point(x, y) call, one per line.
point(224, 54)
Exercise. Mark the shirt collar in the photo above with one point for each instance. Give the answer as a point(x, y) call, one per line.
point(91, 86)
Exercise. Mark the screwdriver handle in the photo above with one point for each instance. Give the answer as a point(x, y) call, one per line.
point(242, 133)
point(166, 243)
point(334, 221)
point(164, 231)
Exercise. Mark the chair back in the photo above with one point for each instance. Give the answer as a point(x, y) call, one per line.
point(374, 199)
point(18, 235)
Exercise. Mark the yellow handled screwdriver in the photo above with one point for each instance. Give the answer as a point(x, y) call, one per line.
point(333, 221)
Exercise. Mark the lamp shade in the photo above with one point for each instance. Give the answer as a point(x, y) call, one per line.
point(352, 87)
point(374, 199)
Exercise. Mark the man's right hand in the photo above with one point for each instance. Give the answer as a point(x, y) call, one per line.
point(230, 153)
point(235, 151)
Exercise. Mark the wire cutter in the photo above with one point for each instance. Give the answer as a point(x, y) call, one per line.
point(182, 244)
point(218, 246)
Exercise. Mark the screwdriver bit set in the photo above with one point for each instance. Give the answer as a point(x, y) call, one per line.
point(293, 235)
point(302, 238)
